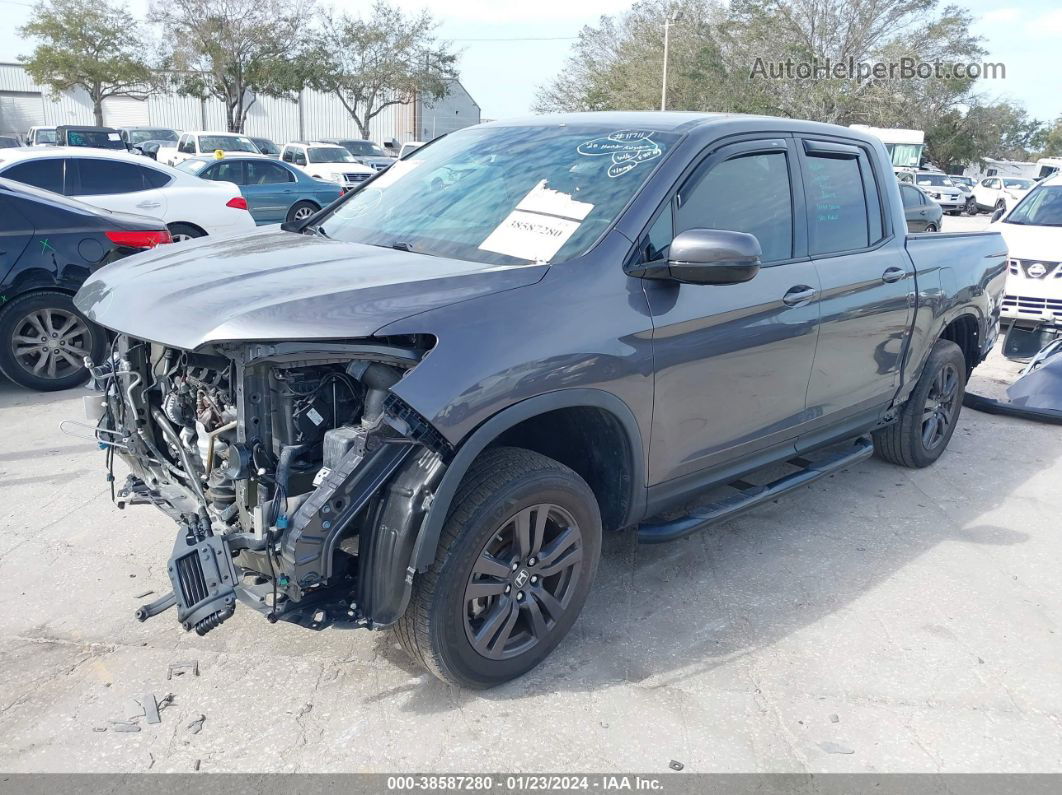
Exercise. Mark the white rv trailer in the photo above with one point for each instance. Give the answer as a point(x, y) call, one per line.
point(904, 146)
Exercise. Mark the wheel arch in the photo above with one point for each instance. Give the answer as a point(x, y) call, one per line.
point(526, 424)
point(196, 227)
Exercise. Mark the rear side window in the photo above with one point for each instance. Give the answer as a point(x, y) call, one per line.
point(259, 173)
point(101, 177)
point(843, 209)
point(155, 178)
point(911, 197)
point(46, 174)
point(750, 193)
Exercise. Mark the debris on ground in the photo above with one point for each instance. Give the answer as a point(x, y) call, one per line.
point(182, 667)
point(836, 748)
point(196, 725)
point(196, 765)
point(835, 719)
point(124, 726)
point(151, 708)
point(675, 765)
point(142, 595)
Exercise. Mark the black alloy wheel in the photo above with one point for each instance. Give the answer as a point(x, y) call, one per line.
point(939, 410)
point(515, 562)
point(522, 582)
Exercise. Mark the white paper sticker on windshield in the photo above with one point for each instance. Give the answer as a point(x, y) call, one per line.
point(530, 236)
point(627, 148)
point(113, 137)
point(552, 202)
point(397, 169)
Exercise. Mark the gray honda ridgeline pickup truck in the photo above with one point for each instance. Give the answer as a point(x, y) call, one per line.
point(421, 407)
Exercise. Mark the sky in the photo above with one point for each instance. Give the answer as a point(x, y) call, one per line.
point(508, 48)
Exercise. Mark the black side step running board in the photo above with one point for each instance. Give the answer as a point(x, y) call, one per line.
point(751, 495)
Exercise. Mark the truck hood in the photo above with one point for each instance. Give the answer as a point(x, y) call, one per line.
point(274, 285)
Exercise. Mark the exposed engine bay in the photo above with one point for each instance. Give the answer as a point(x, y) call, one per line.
point(298, 481)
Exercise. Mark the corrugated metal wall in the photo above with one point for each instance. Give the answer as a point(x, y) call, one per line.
point(314, 115)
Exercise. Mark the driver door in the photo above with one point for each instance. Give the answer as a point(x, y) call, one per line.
point(733, 362)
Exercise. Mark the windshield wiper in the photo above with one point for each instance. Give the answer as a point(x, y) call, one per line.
point(402, 245)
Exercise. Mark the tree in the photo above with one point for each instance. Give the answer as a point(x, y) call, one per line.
point(233, 50)
point(1052, 140)
point(385, 59)
point(91, 45)
point(724, 58)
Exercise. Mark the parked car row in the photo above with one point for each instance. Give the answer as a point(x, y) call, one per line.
point(177, 146)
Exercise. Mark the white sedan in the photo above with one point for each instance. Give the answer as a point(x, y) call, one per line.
point(189, 206)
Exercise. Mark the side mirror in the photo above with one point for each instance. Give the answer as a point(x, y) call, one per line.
point(999, 213)
point(707, 256)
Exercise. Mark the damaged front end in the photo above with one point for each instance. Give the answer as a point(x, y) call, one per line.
point(297, 479)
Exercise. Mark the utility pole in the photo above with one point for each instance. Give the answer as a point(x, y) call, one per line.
point(669, 20)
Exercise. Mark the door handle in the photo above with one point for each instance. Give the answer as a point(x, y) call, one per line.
point(893, 274)
point(149, 205)
point(798, 295)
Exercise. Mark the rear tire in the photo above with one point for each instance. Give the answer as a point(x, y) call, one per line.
point(515, 561)
point(180, 232)
point(300, 211)
point(43, 340)
point(929, 416)
point(931, 227)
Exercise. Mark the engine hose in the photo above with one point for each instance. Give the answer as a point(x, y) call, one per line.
point(186, 461)
point(213, 621)
point(287, 455)
point(1004, 409)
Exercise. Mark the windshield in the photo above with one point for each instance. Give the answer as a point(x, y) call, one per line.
point(364, 149)
point(968, 181)
point(98, 139)
point(6, 141)
point(938, 180)
point(140, 136)
point(227, 143)
point(191, 166)
point(45, 137)
point(1018, 184)
point(905, 155)
point(265, 146)
point(504, 195)
point(1041, 207)
point(330, 154)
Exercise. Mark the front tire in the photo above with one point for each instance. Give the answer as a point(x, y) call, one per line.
point(515, 562)
point(929, 416)
point(931, 227)
point(44, 340)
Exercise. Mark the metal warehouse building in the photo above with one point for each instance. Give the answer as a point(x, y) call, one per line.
point(24, 104)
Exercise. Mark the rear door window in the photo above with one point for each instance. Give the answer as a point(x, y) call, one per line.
point(843, 206)
point(101, 177)
point(46, 174)
point(911, 197)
